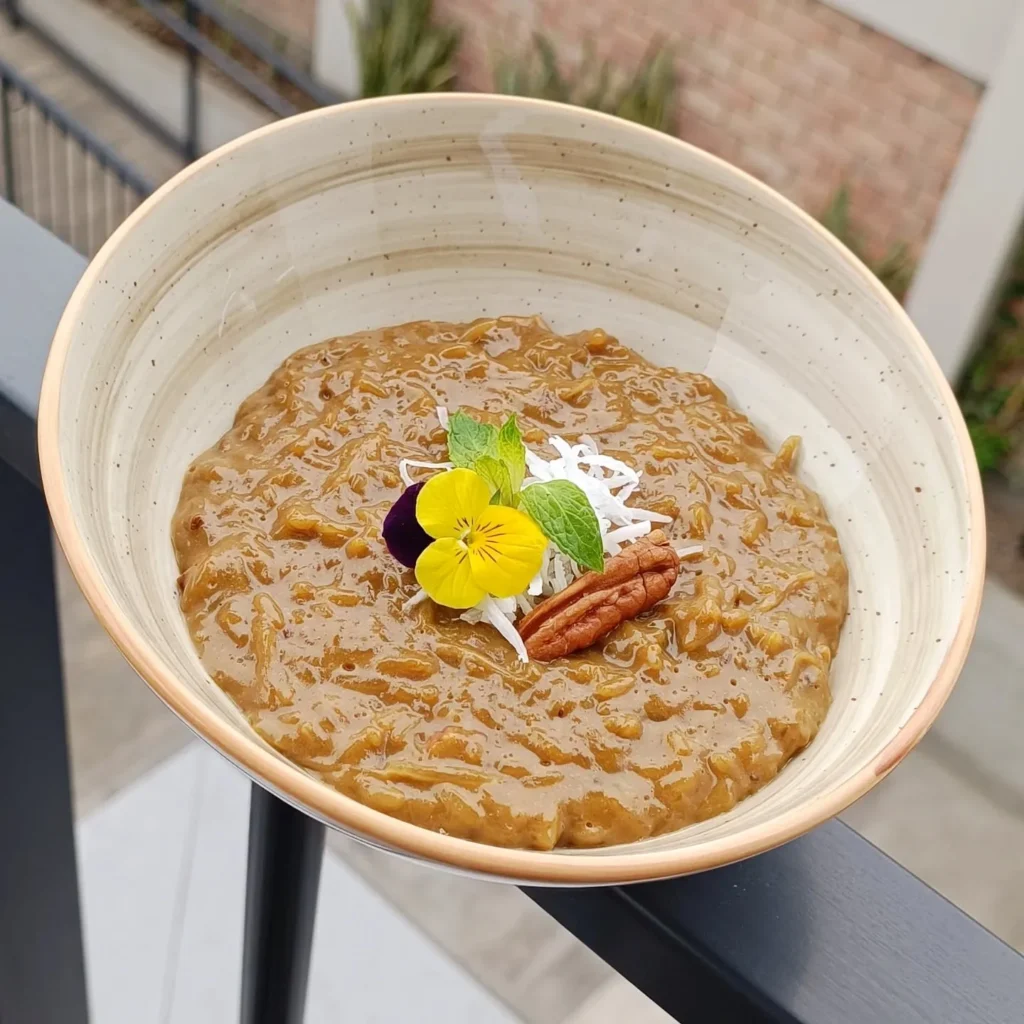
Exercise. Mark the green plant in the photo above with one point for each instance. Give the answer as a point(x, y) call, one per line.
point(894, 269)
point(647, 96)
point(992, 389)
point(402, 49)
point(990, 447)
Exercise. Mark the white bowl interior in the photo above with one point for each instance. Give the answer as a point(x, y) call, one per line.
point(379, 213)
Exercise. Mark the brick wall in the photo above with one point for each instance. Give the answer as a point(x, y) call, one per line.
point(796, 93)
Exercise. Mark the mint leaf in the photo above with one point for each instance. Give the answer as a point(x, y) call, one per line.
point(496, 473)
point(512, 452)
point(561, 510)
point(468, 440)
point(499, 456)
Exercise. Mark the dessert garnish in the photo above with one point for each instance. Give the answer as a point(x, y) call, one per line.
point(499, 531)
point(597, 602)
point(404, 536)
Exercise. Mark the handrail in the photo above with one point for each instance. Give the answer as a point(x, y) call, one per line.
point(242, 76)
point(60, 173)
point(54, 112)
point(320, 94)
point(19, 20)
point(196, 45)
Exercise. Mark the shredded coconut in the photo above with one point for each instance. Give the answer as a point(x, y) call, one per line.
point(418, 598)
point(561, 572)
point(614, 539)
point(607, 483)
point(500, 612)
point(404, 464)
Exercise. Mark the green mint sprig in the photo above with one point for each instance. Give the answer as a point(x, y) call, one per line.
point(497, 475)
point(561, 510)
point(512, 452)
point(559, 507)
point(499, 456)
point(469, 440)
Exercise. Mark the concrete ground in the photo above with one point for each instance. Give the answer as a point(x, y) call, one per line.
point(170, 950)
point(1004, 509)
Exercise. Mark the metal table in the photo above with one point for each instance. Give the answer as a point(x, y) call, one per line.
point(825, 930)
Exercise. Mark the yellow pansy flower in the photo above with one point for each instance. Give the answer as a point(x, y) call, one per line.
point(478, 548)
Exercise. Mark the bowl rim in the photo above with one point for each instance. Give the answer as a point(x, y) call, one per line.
point(316, 798)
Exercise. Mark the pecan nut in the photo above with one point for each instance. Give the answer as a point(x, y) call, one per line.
point(597, 602)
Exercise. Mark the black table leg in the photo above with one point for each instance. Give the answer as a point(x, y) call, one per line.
point(285, 852)
point(42, 970)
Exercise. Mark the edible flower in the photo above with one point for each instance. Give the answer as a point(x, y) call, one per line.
point(405, 538)
point(479, 549)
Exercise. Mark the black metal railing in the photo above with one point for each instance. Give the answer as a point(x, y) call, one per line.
point(266, 75)
point(238, 36)
point(304, 91)
point(58, 172)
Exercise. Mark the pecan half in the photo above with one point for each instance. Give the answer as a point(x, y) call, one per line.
point(596, 603)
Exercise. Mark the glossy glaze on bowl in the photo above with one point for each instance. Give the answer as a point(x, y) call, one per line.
point(450, 207)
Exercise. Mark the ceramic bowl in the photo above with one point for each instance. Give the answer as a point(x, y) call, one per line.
point(453, 207)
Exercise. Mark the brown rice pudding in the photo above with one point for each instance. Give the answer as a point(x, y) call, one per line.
point(710, 673)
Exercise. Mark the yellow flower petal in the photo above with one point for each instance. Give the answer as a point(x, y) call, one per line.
point(449, 502)
point(443, 571)
point(505, 550)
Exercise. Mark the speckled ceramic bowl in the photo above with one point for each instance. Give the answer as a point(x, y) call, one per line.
point(452, 207)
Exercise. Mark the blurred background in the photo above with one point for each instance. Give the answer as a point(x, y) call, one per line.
point(894, 122)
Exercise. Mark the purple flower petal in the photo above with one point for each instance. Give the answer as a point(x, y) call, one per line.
point(404, 536)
